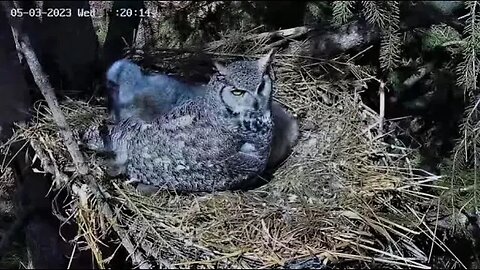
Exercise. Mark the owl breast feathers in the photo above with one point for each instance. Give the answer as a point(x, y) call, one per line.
point(195, 147)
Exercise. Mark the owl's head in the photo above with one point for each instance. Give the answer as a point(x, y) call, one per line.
point(245, 86)
point(124, 79)
point(124, 72)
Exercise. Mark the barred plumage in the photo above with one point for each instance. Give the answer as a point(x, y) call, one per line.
point(215, 141)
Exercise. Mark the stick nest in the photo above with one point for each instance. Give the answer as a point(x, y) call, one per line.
point(343, 195)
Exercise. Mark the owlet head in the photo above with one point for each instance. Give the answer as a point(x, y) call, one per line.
point(124, 72)
point(124, 80)
point(245, 85)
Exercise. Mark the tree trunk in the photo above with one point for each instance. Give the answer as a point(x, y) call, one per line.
point(120, 31)
point(34, 207)
point(70, 45)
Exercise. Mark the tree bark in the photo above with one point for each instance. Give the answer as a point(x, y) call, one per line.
point(120, 31)
point(43, 83)
point(70, 46)
point(15, 95)
point(32, 188)
point(34, 206)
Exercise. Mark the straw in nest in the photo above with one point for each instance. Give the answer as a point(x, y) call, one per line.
point(341, 196)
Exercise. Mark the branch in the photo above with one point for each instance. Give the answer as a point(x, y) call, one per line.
point(45, 87)
point(48, 165)
point(284, 35)
point(137, 257)
point(328, 40)
point(48, 92)
point(325, 40)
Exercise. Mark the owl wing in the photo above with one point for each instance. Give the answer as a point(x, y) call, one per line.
point(97, 138)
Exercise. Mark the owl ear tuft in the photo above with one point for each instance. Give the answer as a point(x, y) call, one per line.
point(222, 69)
point(265, 62)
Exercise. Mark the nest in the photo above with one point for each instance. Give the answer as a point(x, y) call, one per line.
point(342, 196)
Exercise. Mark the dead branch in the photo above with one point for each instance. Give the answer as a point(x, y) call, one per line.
point(290, 33)
point(322, 41)
point(48, 166)
point(318, 41)
point(137, 257)
point(43, 83)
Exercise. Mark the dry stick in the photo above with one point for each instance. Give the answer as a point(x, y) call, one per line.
point(45, 87)
point(382, 108)
point(286, 33)
point(137, 257)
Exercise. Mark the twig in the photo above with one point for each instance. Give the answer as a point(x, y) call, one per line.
point(137, 257)
point(286, 37)
point(382, 108)
point(291, 33)
point(43, 83)
point(434, 237)
point(48, 92)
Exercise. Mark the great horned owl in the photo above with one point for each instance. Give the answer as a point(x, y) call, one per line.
point(215, 141)
point(133, 93)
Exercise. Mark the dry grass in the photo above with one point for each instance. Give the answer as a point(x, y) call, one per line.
point(341, 196)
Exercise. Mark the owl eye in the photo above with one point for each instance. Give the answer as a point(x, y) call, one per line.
point(238, 93)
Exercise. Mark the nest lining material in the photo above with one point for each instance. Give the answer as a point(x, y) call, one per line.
point(340, 196)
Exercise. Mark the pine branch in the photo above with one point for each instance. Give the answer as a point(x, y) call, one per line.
point(468, 69)
point(313, 12)
point(342, 11)
point(374, 13)
point(464, 150)
point(390, 43)
point(441, 35)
